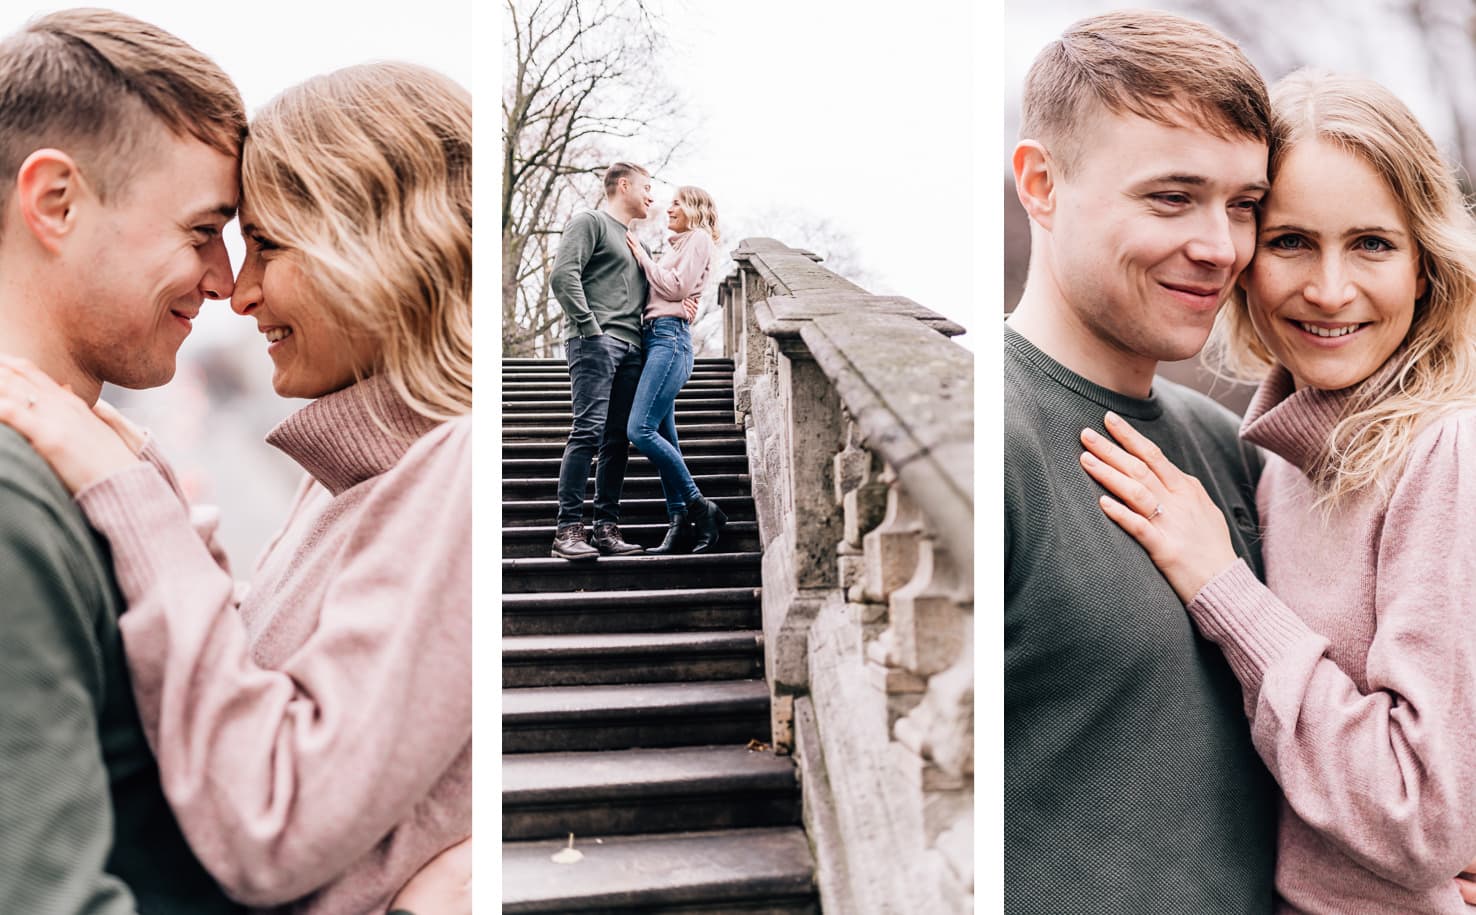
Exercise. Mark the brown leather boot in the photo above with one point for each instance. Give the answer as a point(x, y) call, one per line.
point(569, 543)
point(608, 541)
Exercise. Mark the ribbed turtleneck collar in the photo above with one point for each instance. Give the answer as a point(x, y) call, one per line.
point(1296, 424)
point(337, 440)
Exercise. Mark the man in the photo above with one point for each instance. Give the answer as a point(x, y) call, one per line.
point(1131, 784)
point(119, 147)
point(602, 289)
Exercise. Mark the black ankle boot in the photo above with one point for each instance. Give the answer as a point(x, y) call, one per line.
point(676, 536)
point(708, 520)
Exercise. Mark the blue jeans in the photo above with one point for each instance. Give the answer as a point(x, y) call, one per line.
point(603, 372)
point(652, 425)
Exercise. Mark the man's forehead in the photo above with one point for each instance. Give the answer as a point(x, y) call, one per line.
point(1142, 149)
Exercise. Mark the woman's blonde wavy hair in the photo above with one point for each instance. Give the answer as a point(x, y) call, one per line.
point(364, 174)
point(1435, 371)
point(701, 211)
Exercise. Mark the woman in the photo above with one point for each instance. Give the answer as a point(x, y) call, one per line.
point(314, 733)
point(1355, 657)
point(667, 339)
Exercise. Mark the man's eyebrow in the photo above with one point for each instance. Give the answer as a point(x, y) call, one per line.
point(226, 211)
point(1202, 181)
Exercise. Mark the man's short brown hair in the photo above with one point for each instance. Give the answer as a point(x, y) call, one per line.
point(1159, 66)
point(619, 170)
point(94, 83)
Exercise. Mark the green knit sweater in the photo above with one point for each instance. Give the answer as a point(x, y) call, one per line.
point(84, 826)
point(1131, 785)
point(597, 280)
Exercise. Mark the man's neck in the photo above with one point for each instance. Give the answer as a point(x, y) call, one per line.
point(619, 212)
point(26, 331)
point(1052, 326)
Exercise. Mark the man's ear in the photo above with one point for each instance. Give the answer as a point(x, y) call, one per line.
point(47, 189)
point(1035, 181)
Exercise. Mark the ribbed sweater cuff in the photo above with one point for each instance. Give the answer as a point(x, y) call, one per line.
point(1249, 623)
point(588, 328)
point(145, 523)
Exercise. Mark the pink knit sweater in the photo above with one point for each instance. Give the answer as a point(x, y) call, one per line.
point(313, 734)
point(681, 272)
point(1358, 663)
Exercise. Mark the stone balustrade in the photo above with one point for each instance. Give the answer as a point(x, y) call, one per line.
point(858, 411)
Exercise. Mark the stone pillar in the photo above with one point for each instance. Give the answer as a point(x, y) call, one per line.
point(858, 413)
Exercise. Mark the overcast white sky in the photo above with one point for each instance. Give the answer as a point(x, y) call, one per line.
point(268, 45)
point(859, 114)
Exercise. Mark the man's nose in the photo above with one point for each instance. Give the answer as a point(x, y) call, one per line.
point(1214, 244)
point(217, 281)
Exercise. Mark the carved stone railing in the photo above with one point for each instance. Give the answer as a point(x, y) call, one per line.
point(858, 411)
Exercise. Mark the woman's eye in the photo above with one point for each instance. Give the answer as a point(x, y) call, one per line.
point(1286, 243)
point(1372, 244)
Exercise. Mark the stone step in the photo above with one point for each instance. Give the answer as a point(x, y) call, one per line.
point(728, 446)
point(525, 383)
point(763, 871)
point(701, 363)
point(642, 486)
point(614, 573)
point(619, 792)
point(566, 417)
point(524, 512)
point(561, 718)
point(649, 610)
point(639, 465)
point(535, 542)
point(516, 407)
point(536, 362)
point(521, 431)
point(585, 659)
point(715, 396)
point(560, 375)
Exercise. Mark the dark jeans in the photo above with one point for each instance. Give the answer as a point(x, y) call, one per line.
point(603, 374)
point(652, 426)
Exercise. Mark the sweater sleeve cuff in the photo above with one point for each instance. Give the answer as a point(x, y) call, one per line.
point(144, 521)
point(589, 328)
point(1249, 623)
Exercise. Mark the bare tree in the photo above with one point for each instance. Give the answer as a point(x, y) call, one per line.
point(582, 88)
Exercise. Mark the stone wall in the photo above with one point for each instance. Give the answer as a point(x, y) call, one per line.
point(859, 417)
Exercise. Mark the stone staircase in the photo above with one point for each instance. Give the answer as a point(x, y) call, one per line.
point(633, 685)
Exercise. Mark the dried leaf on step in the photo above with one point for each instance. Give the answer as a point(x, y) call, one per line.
point(758, 745)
